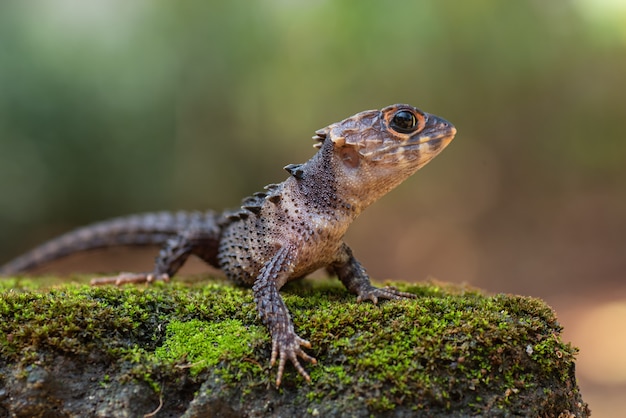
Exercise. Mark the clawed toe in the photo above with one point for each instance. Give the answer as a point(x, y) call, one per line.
point(397, 293)
point(374, 293)
point(124, 278)
point(291, 351)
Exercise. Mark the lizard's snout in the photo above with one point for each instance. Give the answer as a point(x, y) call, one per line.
point(437, 133)
point(439, 127)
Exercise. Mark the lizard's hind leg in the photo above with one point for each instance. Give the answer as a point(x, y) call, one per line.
point(170, 259)
point(202, 242)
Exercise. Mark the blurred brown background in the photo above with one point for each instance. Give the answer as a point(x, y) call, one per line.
point(115, 107)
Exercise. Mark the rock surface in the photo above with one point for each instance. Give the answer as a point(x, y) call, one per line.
point(195, 348)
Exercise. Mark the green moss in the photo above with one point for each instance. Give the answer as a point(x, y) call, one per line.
point(448, 347)
point(203, 344)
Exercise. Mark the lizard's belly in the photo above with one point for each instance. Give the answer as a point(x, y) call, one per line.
point(243, 253)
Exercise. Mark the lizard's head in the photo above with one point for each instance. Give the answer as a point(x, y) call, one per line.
point(376, 150)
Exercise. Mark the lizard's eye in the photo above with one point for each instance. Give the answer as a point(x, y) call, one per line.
point(403, 122)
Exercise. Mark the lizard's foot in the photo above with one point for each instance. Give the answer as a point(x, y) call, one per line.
point(374, 293)
point(286, 345)
point(123, 278)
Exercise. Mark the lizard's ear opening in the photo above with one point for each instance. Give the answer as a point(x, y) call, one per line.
point(350, 156)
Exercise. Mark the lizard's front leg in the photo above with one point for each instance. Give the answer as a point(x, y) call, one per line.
point(354, 277)
point(286, 344)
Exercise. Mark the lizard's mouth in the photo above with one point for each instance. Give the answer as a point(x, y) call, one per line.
point(432, 139)
point(437, 132)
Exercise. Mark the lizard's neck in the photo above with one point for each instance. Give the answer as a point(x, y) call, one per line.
point(327, 183)
point(322, 191)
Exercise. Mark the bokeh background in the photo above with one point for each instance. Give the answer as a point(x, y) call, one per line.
point(114, 107)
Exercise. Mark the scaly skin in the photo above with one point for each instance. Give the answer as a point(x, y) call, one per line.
point(288, 231)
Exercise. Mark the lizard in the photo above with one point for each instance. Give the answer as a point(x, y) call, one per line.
point(285, 232)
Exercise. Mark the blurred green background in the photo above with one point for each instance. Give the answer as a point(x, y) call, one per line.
point(114, 107)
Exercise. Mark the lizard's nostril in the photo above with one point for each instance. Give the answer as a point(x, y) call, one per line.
point(445, 125)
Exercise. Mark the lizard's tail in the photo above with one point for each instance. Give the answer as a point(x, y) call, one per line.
point(135, 230)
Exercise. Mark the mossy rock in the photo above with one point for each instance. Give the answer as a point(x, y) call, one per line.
point(196, 348)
